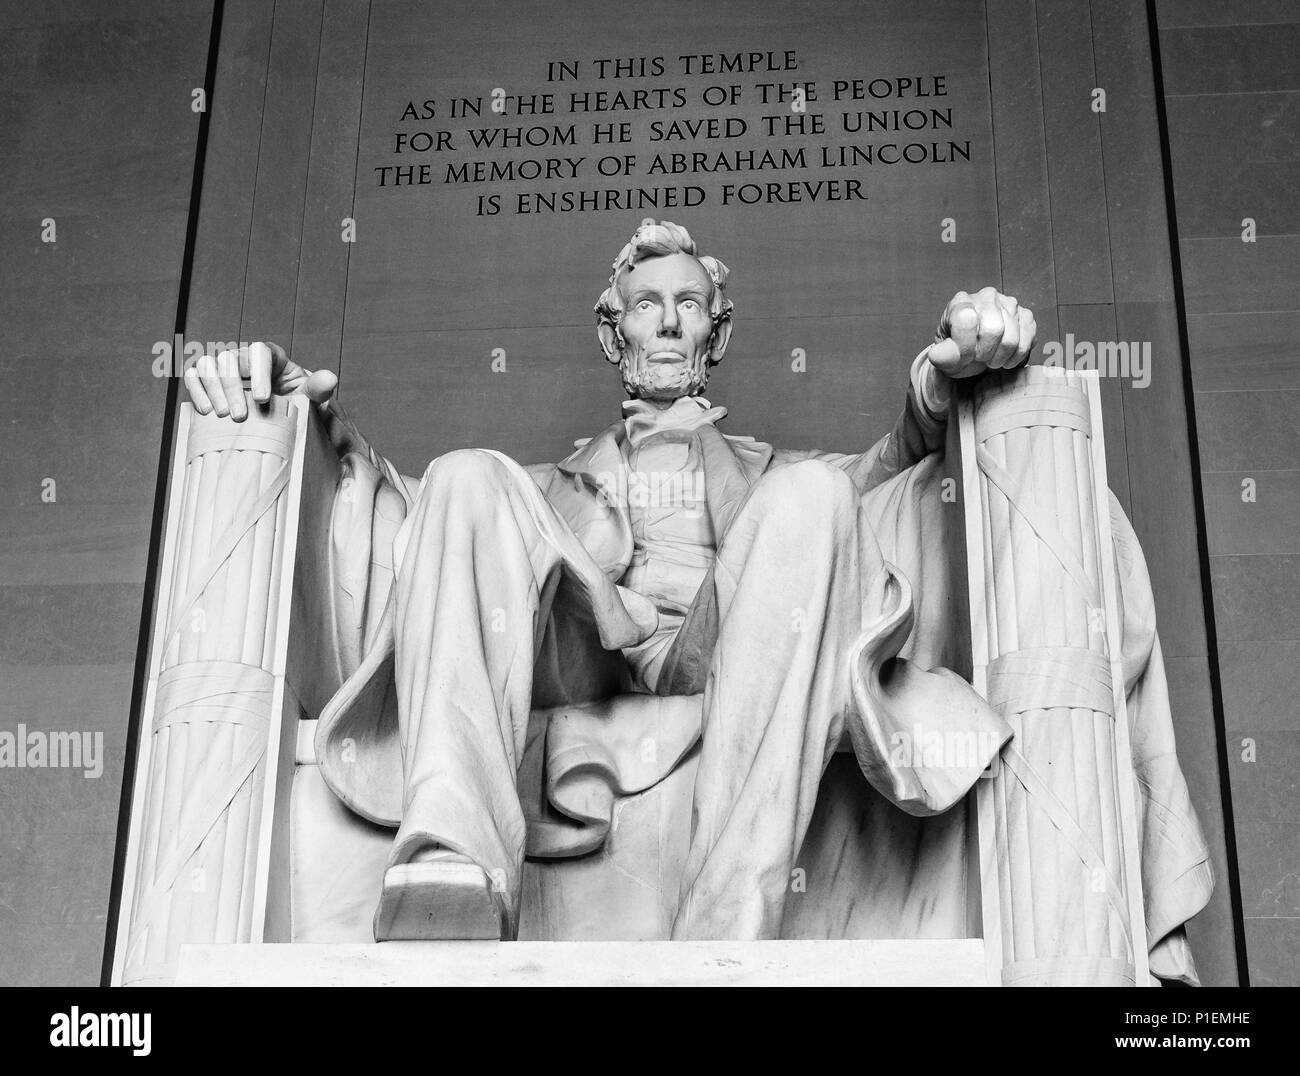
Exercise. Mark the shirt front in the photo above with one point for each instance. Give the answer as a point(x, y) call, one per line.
point(672, 532)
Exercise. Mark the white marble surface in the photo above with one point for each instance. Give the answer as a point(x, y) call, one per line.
point(764, 963)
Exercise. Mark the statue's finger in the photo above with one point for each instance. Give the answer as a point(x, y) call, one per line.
point(320, 386)
point(1010, 342)
point(279, 358)
point(198, 397)
point(963, 323)
point(992, 326)
point(211, 380)
point(1028, 324)
point(259, 371)
point(958, 301)
point(946, 357)
point(232, 384)
point(1028, 333)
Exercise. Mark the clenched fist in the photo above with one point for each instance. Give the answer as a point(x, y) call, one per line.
point(984, 331)
point(215, 383)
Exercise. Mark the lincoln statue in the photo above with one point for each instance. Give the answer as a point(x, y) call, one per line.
point(803, 596)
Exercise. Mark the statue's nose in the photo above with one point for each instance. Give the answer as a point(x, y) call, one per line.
point(670, 325)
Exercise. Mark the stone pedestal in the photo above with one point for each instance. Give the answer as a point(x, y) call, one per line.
point(769, 963)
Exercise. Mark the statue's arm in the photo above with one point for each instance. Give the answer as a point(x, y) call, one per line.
point(347, 439)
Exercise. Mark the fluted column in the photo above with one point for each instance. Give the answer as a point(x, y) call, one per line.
point(1061, 890)
point(212, 722)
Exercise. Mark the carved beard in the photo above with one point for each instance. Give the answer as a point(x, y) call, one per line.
point(645, 381)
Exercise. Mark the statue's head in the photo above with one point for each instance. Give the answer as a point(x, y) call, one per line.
point(665, 318)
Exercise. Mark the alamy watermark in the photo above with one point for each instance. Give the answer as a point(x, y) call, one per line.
point(950, 749)
point(120, 1029)
point(683, 490)
point(171, 357)
point(1110, 358)
point(32, 749)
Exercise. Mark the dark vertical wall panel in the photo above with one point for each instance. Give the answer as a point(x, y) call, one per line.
point(95, 115)
point(331, 183)
point(1024, 199)
point(1078, 188)
point(225, 222)
point(1232, 91)
point(282, 165)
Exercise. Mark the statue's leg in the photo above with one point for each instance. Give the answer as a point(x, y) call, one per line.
point(478, 562)
point(793, 576)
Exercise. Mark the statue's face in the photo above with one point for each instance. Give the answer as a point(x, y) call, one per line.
point(668, 337)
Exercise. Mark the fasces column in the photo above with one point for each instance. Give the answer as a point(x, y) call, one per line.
point(1061, 889)
point(209, 742)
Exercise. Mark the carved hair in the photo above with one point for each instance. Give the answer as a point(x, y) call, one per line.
point(653, 240)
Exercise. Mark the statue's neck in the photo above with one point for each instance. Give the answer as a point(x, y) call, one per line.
point(658, 405)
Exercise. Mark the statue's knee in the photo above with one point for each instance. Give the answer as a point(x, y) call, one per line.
point(469, 480)
point(471, 467)
point(810, 490)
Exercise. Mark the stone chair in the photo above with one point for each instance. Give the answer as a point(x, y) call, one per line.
point(235, 839)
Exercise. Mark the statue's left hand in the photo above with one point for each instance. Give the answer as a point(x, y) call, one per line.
point(984, 331)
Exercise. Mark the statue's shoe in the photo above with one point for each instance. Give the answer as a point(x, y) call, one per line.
point(449, 898)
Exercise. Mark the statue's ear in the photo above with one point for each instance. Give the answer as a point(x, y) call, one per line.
point(721, 337)
point(610, 343)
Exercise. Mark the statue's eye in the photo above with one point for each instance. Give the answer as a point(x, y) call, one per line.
point(690, 304)
point(644, 305)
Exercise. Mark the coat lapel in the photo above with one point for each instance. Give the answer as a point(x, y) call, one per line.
point(589, 489)
point(731, 467)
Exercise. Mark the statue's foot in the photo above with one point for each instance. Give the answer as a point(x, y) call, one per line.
point(439, 896)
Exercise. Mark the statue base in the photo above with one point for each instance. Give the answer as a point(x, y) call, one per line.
point(957, 962)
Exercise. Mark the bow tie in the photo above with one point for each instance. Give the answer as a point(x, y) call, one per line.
point(642, 420)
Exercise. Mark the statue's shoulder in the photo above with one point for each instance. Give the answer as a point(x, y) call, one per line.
point(592, 454)
point(583, 444)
